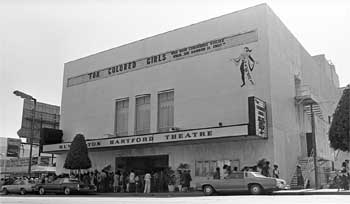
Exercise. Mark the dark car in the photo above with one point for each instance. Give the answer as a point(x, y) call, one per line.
point(253, 182)
point(66, 186)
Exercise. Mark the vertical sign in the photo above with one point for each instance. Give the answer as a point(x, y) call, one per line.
point(257, 117)
point(13, 147)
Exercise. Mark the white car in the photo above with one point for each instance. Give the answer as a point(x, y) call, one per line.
point(19, 186)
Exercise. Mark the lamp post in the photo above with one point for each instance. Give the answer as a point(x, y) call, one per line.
point(26, 96)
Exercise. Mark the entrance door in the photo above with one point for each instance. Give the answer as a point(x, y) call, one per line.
point(141, 164)
point(309, 144)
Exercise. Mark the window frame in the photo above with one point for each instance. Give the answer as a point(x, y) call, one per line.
point(135, 115)
point(115, 115)
point(158, 108)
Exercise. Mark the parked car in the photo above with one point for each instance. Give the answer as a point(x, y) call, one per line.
point(66, 186)
point(19, 186)
point(253, 182)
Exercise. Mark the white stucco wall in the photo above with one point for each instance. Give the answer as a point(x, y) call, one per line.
point(207, 87)
point(206, 91)
point(289, 60)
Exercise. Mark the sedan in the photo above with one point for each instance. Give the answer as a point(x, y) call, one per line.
point(252, 182)
point(66, 186)
point(19, 186)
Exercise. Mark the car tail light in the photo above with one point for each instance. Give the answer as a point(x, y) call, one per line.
point(78, 187)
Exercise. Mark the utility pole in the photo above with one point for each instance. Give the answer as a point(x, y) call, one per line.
point(314, 145)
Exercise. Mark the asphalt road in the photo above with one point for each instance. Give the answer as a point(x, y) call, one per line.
point(246, 199)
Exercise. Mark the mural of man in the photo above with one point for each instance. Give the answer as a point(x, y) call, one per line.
point(246, 65)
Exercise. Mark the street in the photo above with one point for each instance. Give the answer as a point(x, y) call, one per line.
point(59, 199)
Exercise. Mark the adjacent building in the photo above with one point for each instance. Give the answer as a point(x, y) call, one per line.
point(229, 90)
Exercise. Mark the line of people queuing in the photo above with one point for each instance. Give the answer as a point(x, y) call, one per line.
point(130, 181)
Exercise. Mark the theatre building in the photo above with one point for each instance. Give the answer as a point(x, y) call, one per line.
point(229, 90)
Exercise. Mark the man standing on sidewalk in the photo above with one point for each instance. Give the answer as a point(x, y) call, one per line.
point(147, 183)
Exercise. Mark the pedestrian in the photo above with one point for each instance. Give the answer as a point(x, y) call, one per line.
point(162, 182)
point(137, 184)
point(132, 185)
point(337, 181)
point(122, 182)
point(99, 182)
point(300, 178)
point(235, 169)
point(178, 180)
point(92, 178)
point(116, 181)
point(187, 180)
point(225, 171)
point(147, 183)
point(275, 171)
point(217, 173)
point(266, 169)
point(156, 181)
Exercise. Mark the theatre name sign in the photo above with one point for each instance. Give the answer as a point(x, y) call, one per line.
point(186, 135)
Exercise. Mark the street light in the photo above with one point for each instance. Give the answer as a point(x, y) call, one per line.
point(29, 97)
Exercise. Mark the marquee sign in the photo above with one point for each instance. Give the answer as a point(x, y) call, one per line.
point(257, 117)
point(188, 135)
point(191, 51)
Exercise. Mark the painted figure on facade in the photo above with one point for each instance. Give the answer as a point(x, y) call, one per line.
point(246, 65)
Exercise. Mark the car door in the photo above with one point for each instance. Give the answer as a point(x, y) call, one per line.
point(14, 188)
point(53, 186)
point(21, 185)
point(234, 182)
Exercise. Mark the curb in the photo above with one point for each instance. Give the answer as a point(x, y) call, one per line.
point(189, 194)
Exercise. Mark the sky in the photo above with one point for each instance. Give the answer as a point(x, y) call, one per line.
point(37, 37)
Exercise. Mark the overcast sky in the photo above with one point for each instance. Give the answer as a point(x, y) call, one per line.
point(38, 37)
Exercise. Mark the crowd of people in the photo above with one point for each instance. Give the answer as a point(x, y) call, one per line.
point(263, 167)
point(120, 181)
point(132, 182)
point(342, 177)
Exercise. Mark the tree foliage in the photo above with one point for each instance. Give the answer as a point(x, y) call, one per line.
point(77, 157)
point(339, 135)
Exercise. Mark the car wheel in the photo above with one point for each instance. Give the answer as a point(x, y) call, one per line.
point(255, 189)
point(23, 191)
point(41, 191)
point(66, 191)
point(5, 191)
point(208, 190)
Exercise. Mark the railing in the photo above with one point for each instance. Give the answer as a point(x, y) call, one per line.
point(309, 168)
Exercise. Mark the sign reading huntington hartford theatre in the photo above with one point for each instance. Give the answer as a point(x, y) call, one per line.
point(161, 58)
point(199, 134)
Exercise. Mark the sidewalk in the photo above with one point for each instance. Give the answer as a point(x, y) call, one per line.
point(199, 193)
point(313, 192)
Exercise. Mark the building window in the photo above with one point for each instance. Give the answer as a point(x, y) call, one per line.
point(205, 168)
point(143, 115)
point(121, 117)
point(165, 111)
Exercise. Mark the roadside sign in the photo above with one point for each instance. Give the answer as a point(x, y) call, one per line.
point(46, 116)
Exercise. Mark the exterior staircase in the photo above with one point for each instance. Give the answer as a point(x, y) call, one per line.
point(307, 169)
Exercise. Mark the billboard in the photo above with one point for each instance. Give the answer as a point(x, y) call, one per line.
point(13, 147)
point(46, 116)
point(257, 117)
